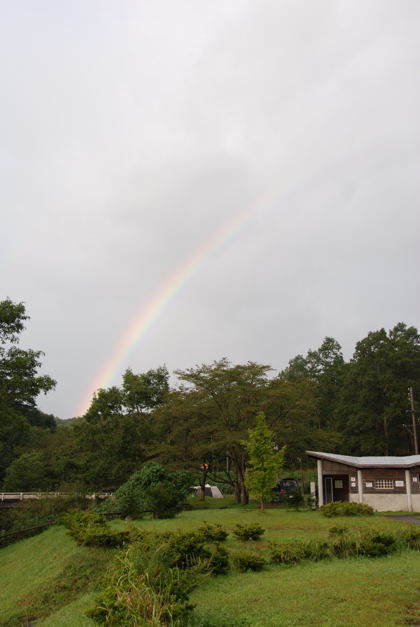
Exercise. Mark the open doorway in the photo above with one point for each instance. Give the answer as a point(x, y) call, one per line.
point(336, 488)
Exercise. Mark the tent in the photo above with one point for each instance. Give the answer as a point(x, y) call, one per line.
point(211, 490)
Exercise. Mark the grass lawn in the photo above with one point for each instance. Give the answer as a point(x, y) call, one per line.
point(373, 592)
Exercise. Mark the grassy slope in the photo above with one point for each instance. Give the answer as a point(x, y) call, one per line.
point(380, 592)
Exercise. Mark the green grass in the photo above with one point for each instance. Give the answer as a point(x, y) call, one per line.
point(49, 576)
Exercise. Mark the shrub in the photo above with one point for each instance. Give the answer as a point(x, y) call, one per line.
point(376, 544)
point(411, 538)
point(143, 590)
point(341, 508)
point(153, 488)
point(162, 500)
point(212, 533)
point(295, 499)
point(218, 558)
point(337, 531)
point(252, 531)
point(284, 554)
point(91, 529)
point(183, 550)
point(248, 561)
point(314, 550)
point(103, 536)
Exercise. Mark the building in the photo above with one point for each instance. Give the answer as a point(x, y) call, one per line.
point(385, 483)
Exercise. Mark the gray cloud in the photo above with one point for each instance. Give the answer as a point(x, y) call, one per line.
point(132, 132)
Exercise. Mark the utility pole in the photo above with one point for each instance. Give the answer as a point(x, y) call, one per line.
point(413, 416)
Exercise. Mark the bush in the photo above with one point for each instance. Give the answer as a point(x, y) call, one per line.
point(162, 500)
point(218, 558)
point(153, 488)
point(143, 590)
point(295, 499)
point(90, 529)
point(252, 531)
point(411, 538)
point(245, 561)
point(314, 550)
point(183, 550)
point(376, 544)
point(212, 533)
point(345, 508)
point(284, 554)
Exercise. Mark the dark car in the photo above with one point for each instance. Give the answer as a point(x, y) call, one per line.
point(284, 488)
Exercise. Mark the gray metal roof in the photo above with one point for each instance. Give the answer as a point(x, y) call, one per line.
point(369, 462)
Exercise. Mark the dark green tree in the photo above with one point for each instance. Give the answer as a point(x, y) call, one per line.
point(116, 429)
point(373, 403)
point(20, 384)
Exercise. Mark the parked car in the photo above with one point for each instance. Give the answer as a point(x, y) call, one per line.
point(285, 488)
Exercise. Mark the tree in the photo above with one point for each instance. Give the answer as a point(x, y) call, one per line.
point(264, 461)
point(20, 384)
point(230, 396)
point(292, 412)
point(373, 400)
point(116, 429)
point(324, 367)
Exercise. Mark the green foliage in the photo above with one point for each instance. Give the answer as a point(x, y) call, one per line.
point(375, 543)
point(248, 560)
point(251, 531)
point(218, 557)
point(411, 538)
point(153, 488)
point(212, 533)
point(27, 472)
point(20, 384)
point(143, 589)
point(287, 554)
point(228, 397)
point(264, 462)
point(151, 583)
point(90, 529)
point(371, 408)
point(345, 508)
point(295, 499)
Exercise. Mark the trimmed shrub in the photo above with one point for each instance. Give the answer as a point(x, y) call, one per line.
point(90, 529)
point(252, 531)
point(345, 508)
point(245, 561)
point(212, 533)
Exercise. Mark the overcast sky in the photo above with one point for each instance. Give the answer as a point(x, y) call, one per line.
point(132, 131)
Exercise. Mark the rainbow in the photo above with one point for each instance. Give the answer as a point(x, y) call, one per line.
point(150, 312)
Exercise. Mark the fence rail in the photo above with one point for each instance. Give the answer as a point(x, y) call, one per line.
point(23, 496)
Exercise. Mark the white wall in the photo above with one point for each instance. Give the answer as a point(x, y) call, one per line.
point(388, 502)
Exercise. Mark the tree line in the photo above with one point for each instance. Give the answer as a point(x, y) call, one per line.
point(319, 401)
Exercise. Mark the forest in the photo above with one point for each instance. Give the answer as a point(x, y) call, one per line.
point(319, 401)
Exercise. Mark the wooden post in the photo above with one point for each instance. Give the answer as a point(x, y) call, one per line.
point(320, 484)
point(360, 485)
point(413, 417)
point(408, 484)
